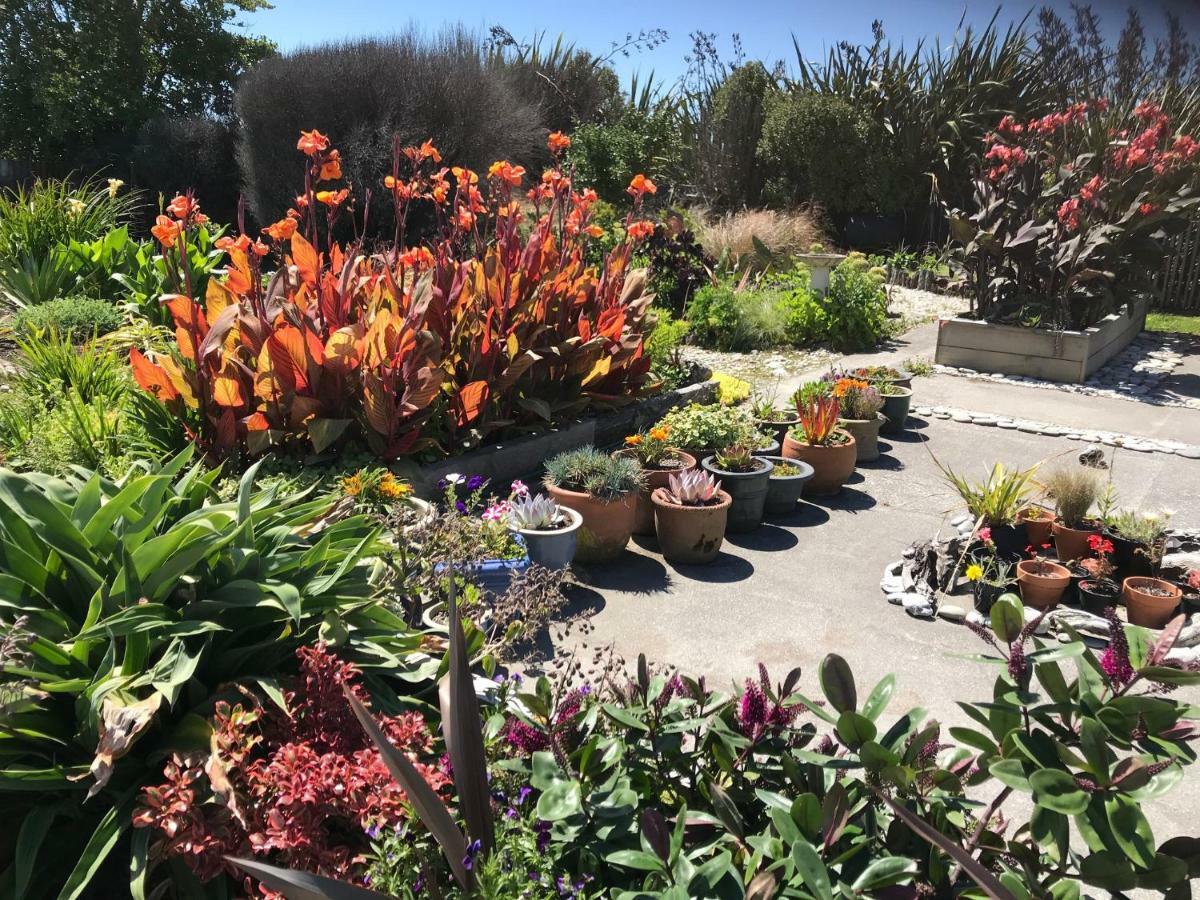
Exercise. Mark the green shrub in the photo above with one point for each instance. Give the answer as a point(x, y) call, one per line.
point(605, 156)
point(73, 317)
point(663, 347)
point(856, 305)
point(149, 601)
point(699, 426)
point(724, 318)
point(728, 134)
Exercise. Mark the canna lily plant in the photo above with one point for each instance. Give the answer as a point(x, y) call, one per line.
point(496, 321)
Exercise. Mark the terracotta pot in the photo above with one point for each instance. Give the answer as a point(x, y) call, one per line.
point(607, 524)
point(1037, 530)
point(895, 409)
point(1146, 609)
point(748, 491)
point(689, 534)
point(655, 478)
point(832, 463)
point(1071, 543)
point(866, 435)
point(1042, 590)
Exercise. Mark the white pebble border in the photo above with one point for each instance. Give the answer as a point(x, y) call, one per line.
point(1135, 374)
point(1110, 438)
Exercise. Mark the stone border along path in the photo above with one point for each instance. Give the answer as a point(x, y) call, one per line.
point(1136, 374)
point(1111, 438)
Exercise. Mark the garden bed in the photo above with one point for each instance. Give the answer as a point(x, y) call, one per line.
point(1065, 356)
point(508, 460)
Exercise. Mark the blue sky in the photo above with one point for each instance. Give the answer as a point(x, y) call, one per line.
point(766, 26)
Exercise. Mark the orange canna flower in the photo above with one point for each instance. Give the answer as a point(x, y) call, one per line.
point(503, 170)
point(301, 201)
point(281, 230)
point(166, 231)
point(331, 169)
point(333, 199)
point(595, 231)
point(312, 142)
point(428, 151)
point(241, 242)
point(466, 219)
point(639, 230)
point(417, 258)
point(558, 142)
point(641, 185)
point(260, 249)
point(182, 206)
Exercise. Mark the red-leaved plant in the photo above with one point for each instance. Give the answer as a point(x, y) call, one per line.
point(304, 787)
point(495, 321)
point(818, 417)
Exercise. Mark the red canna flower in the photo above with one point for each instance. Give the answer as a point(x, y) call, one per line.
point(1068, 214)
point(1147, 209)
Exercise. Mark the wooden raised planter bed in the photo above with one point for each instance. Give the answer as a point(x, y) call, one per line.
point(524, 455)
point(1066, 356)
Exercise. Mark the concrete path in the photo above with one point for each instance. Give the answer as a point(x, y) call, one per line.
point(808, 585)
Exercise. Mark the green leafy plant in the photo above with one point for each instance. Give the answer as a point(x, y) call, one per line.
point(998, 498)
point(148, 598)
point(591, 471)
point(707, 426)
point(738, 458)
point(75, 318)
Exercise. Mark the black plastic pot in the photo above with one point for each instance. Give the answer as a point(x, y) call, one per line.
point(987, 594)
point(748, 491)
point(1098, 594)
point(1126, 558)
point(1010, 541)
point(1078, 574)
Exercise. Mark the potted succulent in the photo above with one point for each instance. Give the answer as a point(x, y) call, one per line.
point(472, 539)
point(1074, 490)
point(604, 490)
point(993, 503)
point(659, 460)
point(550, 531)
point(745, 478)
point(1037, 521)
point(788, 478)
point(819, 442)
point(770, 419)
point(990, 578)
point(702, 429)
point(1042, 582)
point(690, 516)
point(896, 402)
point(890, 374)
point(1137, 540)
point(860, 416)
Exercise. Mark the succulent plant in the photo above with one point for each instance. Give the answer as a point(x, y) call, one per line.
point(738, 458)
point(534, 513)
point(693, 487)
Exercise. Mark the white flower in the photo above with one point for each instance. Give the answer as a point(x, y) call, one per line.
point(75, 205)
point(114, 185)
point(455, 478)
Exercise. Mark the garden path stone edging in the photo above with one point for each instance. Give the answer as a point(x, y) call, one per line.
point(509, 460)
point(1137, 373)
point(1049, 429)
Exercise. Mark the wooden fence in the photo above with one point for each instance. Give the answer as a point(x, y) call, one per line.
point(1179, 284)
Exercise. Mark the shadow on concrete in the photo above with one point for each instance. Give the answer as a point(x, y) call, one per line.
point(911, 435)
point(581, 601)
point(849, 500)
point(631, 573)
point(806, 515)
point(765, 537)
point(725, 569)
point(647, 542)
point(884, 462)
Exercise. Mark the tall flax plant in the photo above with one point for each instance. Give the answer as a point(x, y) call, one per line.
point(936, 101)
point(996, 499)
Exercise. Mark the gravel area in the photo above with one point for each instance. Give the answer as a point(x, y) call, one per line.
point(915, 307)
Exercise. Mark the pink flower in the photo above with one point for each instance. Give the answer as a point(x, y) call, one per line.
point(1068, 214)
point(1115, 661)
point(497, 512)
point(985, 534)
point(519, 488)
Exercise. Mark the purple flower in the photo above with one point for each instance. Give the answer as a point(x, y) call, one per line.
point(460, 506)
point(510, 813)
point(473, 849)
point(373, 832)
point(475, 482)
point(1115, 660)
point(523, 794)
point(543, 835)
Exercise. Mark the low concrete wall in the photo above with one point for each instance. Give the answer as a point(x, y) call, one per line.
point(523, 456)
point(1066, 356)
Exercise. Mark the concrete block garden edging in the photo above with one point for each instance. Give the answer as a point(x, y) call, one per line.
point(1066, 356)
point(521, 456)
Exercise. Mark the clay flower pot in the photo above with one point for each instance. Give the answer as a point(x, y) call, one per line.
point(655, 478)
point(895, 409)
point(690, 535)
point(1037, 522)
point(1042, 583)
point(553, 548)
point(832, 463)
point(866, 436)
point(1150, 602)
point(607, 524)
point(747, 490)
point(1071, 543)
point(783, 491)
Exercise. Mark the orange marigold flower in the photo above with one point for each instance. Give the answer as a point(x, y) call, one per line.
point(312, 142)
point(331, 169)
point(166, 231)
point(281, 230)
point(634, 440)
point(558, 142)
point(641, 185)
point(639, 230)
point(661, 433)
point(503, 170)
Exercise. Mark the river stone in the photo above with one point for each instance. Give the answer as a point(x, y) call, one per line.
point(952, 613)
